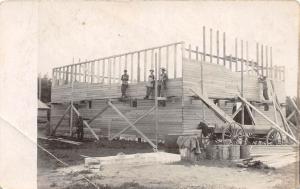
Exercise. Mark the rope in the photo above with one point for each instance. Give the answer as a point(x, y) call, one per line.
point(51, 154)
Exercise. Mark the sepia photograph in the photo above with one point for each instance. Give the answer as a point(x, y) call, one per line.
point(149, 94)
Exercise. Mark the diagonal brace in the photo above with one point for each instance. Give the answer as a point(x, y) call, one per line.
point(61, 119)
point(101, 112)
point(131, 125)
point(86, 124)
point(138, 119)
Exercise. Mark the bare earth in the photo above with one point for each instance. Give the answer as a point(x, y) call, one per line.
point(206, 174)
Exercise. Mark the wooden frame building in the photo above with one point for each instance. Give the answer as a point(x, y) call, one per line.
point(215, 72)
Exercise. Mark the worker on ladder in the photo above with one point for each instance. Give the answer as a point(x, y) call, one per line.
point(124, 86)
point(162, 83)
point(150, 84)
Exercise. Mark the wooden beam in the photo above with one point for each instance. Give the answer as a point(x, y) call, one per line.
point(275, 126)
point(262, 60)
point(145, 66)
point(132, 125)
point(218, 46)
point(138, 67)
point(60, 120)
point(210, 44)
point(190, 52)
point(175, 61)
point(98, 114)
point(167, 58)
point(103, 71)
point(86, 124)
point(291, 115)
point(267, 63)
point(204, 47)
point(224, 48)
point(271, 63)
point(137, 120)
point(250, 113)
point(236, 52)
point(131, 69)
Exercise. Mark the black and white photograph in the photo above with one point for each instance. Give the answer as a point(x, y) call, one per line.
point(149, 94)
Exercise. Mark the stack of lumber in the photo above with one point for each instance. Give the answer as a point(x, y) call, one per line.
point(270, 156)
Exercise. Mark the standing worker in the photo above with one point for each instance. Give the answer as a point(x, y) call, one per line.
point(124, 78)
point(263, 80)
point(79, 126)
point(150, 84)
point(162, 83)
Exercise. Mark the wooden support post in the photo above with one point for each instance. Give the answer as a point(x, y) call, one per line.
point(262, 60)
point(201, 77)
point(159, 59)
point(126, 62)
point(120, 69)
point(242, 81)
point(92, 71)
point(103, 71)
point(175, 61)
point(86, 124)
point(131, 68)
point(152, 52)
point(271, 63)
point(138, 67)
point(230, 63)
point(190, 52)
point(60, 120)
point(156, 100)
point(167, 58)
point(277, 127)
point(114, 70)
point(210, 45)
point(197, 53)
point(85, 72)
point(218, 46)
point(257, 57)
point(267, 64)
point(204, 47)
point(247, 58)
point(109, 71)
point(145, 65)
point(132, 125)
point(224, 49)
point(236, 54)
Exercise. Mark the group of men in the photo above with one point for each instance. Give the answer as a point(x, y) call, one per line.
point(150, 84)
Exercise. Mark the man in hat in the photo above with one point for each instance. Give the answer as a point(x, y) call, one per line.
point(124, 86)
point(150, 84)
point(162, 83)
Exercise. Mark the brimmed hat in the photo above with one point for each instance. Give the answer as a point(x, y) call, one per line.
point(151, 70)
point(125, 70)
point(163, 69)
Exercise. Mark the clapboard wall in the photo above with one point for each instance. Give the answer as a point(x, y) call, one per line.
point(195, 111)
point(220, 82)
point(110, 123)
point(88, 91)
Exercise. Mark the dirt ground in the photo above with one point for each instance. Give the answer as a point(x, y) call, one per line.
point(205, 174)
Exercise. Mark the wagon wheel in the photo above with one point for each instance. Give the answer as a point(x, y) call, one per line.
point(234, 134)
point(211, 138)
point(274, 137)
point(251, 139)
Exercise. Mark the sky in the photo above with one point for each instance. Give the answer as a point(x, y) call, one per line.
point(94, 29)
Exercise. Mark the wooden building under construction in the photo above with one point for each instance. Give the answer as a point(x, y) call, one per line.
point(204, 85)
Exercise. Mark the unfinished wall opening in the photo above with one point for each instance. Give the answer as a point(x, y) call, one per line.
point(238, 117)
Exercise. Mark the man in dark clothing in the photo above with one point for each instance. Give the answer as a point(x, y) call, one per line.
point(150, 84)
point(263, 80)
point(80, 131)
point(124, 86)
point(162, 83)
